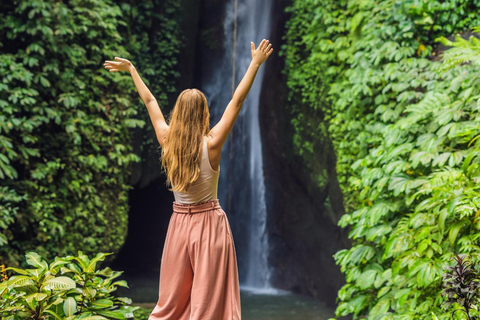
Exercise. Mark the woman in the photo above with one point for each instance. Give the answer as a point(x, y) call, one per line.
point(198, 275)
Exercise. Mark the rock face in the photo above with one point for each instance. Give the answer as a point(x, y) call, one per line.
point(302, 230)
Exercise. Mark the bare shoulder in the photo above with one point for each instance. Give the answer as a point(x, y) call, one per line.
point(214, 139)
point(209, 141)
point(214, 154)
point(162, 135)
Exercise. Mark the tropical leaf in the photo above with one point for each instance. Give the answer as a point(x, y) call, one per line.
point(59, 283)
point(101, 304)
point(69, 306)
point(20, 281)
point(35, 260)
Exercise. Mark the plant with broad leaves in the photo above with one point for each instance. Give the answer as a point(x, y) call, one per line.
point(365, 76)
point(461, 284)
point(68, 288)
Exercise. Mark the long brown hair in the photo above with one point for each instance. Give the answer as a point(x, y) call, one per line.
point(189, 122)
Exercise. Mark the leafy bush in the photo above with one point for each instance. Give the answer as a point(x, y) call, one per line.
point(406, 140)
point(69, 288)
point(152, 28)
point(66, 124)
point(65, 127)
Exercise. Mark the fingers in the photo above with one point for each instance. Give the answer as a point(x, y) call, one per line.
point(110, 65)
point(263, 51)
point(115, 63)
point(114, 66)
point(262, 45)
point(122, 60)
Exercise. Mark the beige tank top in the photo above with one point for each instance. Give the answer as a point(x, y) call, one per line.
point(205, 187)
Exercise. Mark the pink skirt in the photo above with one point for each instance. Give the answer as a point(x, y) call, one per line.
point(198, 275)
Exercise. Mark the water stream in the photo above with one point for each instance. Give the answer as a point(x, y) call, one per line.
point(241, 185)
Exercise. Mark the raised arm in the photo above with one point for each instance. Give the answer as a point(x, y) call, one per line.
point(219, 133)
point(154, 111)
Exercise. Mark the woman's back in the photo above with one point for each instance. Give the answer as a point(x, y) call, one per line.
point(206, 186)
point(198, 273)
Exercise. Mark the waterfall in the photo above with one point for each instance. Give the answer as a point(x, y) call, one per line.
point(247, 210)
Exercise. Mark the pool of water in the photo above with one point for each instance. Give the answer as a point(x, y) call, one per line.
point(282, 306)
point(257, 304)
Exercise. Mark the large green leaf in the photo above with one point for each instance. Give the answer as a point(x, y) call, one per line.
point(93, 263)
point(35, 260)
point(20, 281)
point(101, 304)
point(17, 270)
point(117, 314)
point(37, 296)
point(367, 279)
point(59, 283)
point(454, 230)
point(69, 306)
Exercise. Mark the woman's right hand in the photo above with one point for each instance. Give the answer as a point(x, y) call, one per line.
point(261, 54)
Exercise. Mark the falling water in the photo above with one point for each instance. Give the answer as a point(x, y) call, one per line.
point(246, 197)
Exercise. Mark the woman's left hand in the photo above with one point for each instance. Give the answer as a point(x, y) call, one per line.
point(119, 65)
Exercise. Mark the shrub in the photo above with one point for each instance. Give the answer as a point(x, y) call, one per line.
point(406, 139)
point(68, 288)
point(65, 127)
point(67, 124)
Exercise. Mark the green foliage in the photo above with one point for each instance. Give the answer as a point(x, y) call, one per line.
point(67, 124)
point(64, 135)
point(142, 313)
point(462, 51)
point(153, 32)
point(68, 288)
point(406, 140)
point(9, 199)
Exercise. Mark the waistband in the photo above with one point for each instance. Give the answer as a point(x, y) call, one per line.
point(196, 208)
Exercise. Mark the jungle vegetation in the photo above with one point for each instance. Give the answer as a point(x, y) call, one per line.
point(395, 87)
point(67, 124)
